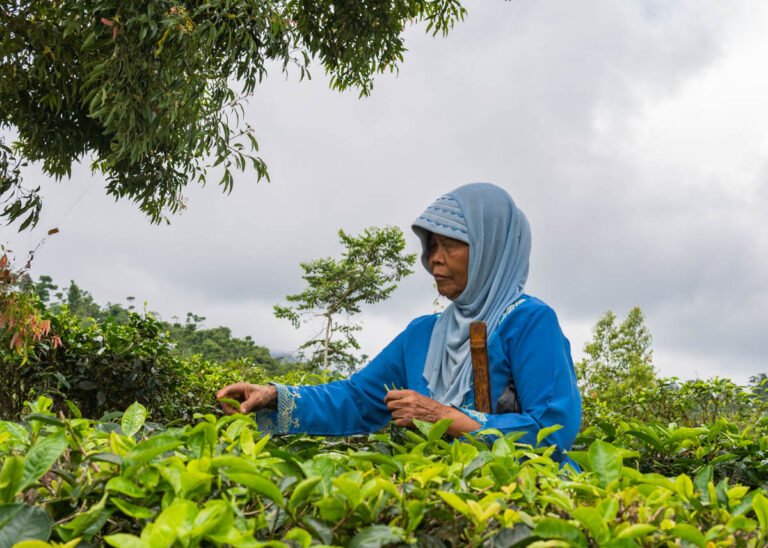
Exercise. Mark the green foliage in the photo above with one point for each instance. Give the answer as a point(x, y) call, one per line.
point(15, 200)
point(367, 272)
point(219, 481)
point(618, 359)
point(213, 344)
point(101, 366)
point(153, 91)
point(723, 448)
point(760, 385)
point(218, 345)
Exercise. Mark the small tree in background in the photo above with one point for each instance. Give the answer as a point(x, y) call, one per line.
point(618, 360)
point(759, 384)
point(367, 272)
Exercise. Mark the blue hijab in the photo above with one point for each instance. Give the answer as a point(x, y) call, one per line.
point(499, 237)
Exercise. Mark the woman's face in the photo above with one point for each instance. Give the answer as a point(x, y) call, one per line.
point(448, 262)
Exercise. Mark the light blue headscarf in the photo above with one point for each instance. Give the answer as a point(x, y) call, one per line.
point(499, 237)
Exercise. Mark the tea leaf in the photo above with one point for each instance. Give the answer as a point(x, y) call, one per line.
point(554, 528)
point(41, 457)
point(593, 521)
point(20, 522)
point(132, 510)
point(11, 478)
point(125, 486)
point(301, 492)
point(455, 502)
point(544, 432)
point(133, 419)
point(760, 506)
point(257, 484)
point(151, 448)
point(122, 540)
point(689, 533)
point(375, 536)
point(637, 530)
point(605, 461)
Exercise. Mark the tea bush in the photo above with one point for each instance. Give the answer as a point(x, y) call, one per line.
point(103, 366)
point(217, 481)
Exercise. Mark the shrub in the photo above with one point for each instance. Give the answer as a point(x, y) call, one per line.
point(219, 482)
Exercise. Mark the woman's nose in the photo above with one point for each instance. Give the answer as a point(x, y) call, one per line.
point(435, 257)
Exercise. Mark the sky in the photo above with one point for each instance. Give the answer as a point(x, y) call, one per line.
point(634, 135)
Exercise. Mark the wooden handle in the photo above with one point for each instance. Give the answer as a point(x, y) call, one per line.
point(479, 348)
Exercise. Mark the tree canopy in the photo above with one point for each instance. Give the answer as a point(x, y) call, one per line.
point(619, 358)
point(152, 91)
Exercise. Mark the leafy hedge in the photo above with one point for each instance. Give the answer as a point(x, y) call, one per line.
point(218, 481)
point(99, 367)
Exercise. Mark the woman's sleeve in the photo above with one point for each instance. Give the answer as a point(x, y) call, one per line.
point(351, 406)
point(546, 383)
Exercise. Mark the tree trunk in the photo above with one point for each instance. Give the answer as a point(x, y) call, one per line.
point(327, 341)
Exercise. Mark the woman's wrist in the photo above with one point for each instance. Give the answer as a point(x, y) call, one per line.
point(271, 397)
point(460, 423)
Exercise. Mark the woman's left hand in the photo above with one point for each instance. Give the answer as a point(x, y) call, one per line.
point(406, 405)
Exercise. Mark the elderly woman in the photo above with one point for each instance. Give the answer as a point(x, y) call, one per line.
point(476, 244)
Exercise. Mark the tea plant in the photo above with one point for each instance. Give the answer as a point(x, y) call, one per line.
point(126, 482)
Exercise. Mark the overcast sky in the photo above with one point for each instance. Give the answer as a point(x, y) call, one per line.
point(633, 134)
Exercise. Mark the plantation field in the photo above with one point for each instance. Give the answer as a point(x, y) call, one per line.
point(112, 437)
point(126, 482)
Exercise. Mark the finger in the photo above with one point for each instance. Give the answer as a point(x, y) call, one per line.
point(397, 404)
point(397, 394)
point(404, 422)
point(391, 395)
point(231, 390)
point(399, 413)
point(253, 401)
point(228, 409)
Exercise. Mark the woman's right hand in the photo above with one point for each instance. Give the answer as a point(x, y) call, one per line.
point(252, 397)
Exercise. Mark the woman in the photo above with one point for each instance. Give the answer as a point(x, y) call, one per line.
point(476, 244)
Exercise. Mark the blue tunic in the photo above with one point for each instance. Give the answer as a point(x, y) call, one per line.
point(528, 345)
